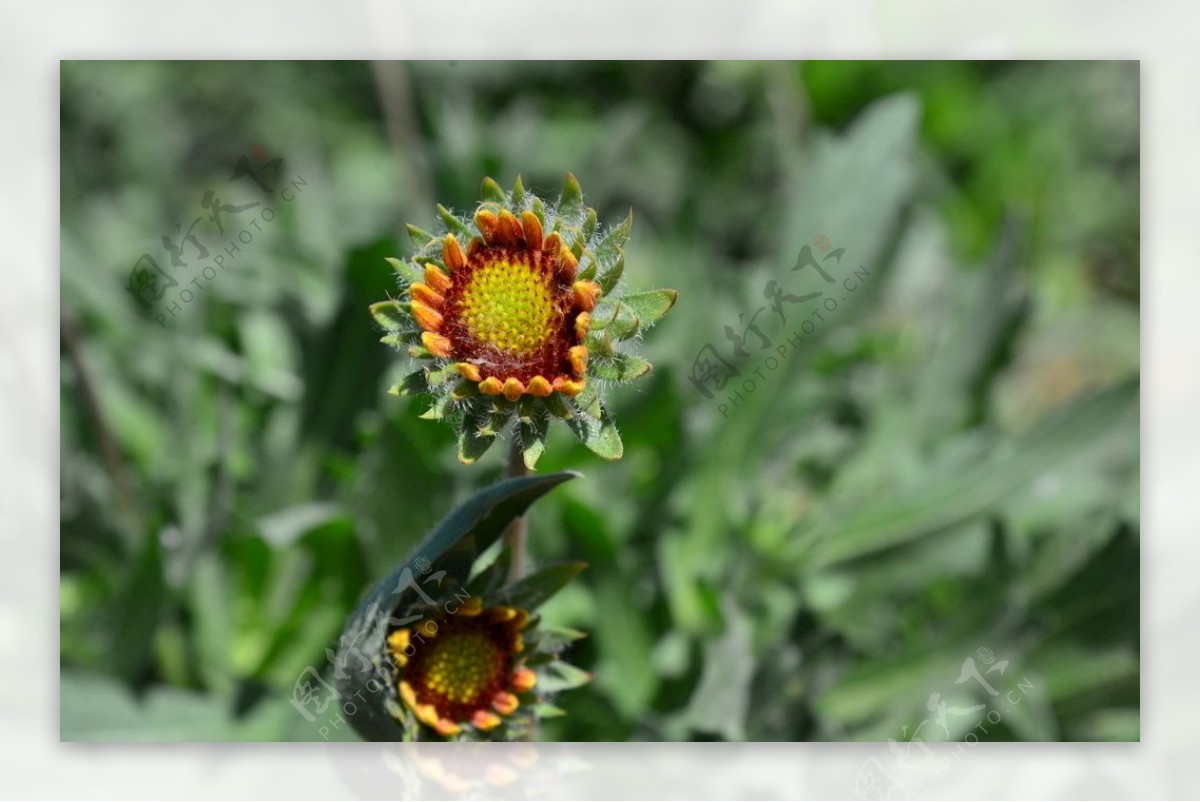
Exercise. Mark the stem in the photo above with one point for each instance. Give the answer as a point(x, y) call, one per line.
point(514, 535)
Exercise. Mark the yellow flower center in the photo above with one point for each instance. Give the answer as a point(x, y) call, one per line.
point(461, 665)
point(508, 305)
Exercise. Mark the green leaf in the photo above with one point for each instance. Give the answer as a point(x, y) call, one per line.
point(533, 591)
point(610, 255)
point(532, 433)
point(570, 203)
point(650, 307)
point(453, 224)
point(558, 676)
point(475, 437)
point(413, 384)
point(493, 192)
point(453, 545)
point(419, 237)
point(391, 315)
point(969, 492)
point(619, 367)
point(518, 193)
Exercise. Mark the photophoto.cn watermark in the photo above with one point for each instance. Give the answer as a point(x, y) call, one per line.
point(313, 696)
point(213, 242)
point(753, 356)
point(915, 767)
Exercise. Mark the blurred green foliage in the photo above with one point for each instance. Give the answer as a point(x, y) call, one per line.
point(948, 463)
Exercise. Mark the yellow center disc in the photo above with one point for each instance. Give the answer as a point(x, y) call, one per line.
point(461, 665)
point(508, 305)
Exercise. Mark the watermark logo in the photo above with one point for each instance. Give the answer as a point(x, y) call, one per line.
point(157, 287)
point(752, 354)
point(915, 766)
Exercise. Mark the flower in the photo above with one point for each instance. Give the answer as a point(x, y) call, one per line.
point(515, 316)
point(463, 669)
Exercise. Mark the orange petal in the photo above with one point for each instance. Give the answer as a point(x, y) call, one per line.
point(488, 225)
point(586, 293)
point(501, 614)
point(539, 386)
point(427, 714)
point(436, 279)
point(513, 388)
point(523, 680)
point(577, 356)
point(583, 323)
point(468, 371)
point(532, 227)
point(426, 295)
point(491, 386)
point(453, 254)
point(470, 607)
point(510, 229)
point(447, 728)
point(553, 243)
point(398, 643)
point(408, 695)
point(568, 261)
point(568, 387)
point(427, 317)
point(436, 344)
point(485, 720)
point(505, 703)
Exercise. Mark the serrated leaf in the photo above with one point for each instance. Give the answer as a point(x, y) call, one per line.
point(619, 367)
point(590, 222)
point(470, 529)
point(570, 203)
point(533, 591)
point(391, 315)
point(615, 320)
point(452, 223)
point(412, 384)
point(493, 192)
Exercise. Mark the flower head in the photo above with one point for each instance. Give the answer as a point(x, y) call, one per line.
point(516, 314)
point(463, 669)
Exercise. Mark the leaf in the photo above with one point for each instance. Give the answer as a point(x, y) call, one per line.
point(472, 443)
point(533, 591)
point(419, 237)
point(722, 698)
point(970, 491)
point(391, 315)
point(610, 254)
point(454, 543)
point(452, 223)
point(493, 191)
point(133, 618)
point(532, 434)
point(651, 306)
point(558, 675)
point(619, 367)
point(570, 203)
point(518, 193)
point(414, 383)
